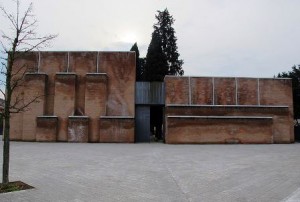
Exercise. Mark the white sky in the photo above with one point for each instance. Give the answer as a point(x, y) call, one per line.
point(256, 38)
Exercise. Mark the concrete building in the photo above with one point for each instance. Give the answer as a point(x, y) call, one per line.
point(93, 97)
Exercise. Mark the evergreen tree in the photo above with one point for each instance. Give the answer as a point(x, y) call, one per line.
point(295, 76)
point(140, 63)
point(168, 42)
point(156, 62)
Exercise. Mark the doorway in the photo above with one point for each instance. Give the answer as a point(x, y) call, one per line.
point(149, 123)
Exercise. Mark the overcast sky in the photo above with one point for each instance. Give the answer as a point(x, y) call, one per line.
point(255, 38)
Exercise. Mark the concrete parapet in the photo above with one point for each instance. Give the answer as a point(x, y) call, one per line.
point(78, 129)
point(64, 102)
point(117, 129)
point(46, 128)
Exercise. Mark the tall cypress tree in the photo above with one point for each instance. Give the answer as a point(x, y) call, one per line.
point(140, 63)
point(137, 62)
point(156, 62)
point(169, 42)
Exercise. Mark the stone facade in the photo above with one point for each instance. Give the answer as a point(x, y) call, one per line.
point(228, 110)
point(75, 89)
point(90, 97)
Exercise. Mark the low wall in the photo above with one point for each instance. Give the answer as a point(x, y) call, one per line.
point(228, 110)
point(117, 129)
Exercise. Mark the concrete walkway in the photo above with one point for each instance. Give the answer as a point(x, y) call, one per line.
point(155, 172)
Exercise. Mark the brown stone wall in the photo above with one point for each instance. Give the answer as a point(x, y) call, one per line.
point(82, 63)
point(248, 98)
point(219, 130)
point(95, 102)
point(26, 63)
point(177, 90)
point(225, 91)
point(278, 92)
point(120, 69)
point(64, 102)
point(201, 91)
point(247, 91)
point(46, 128)
point(52, 63)
point(117, 129)
point(34, 93)
point(78, 129)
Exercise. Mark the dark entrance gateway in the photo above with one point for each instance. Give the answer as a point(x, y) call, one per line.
point(149, 105)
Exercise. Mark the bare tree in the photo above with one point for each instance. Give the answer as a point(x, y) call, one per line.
point(18, 40)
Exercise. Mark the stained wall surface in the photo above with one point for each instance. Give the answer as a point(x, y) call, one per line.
point(228, 110)
point(87, 84)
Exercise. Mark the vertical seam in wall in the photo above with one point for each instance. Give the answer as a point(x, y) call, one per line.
point(258, 92)
point(190, 95)
point(68, 65)
point(97, 65)
point(39, 62)
point(236, 92)
point(213, 90)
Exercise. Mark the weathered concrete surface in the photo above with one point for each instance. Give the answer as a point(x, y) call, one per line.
point(155, 172)
point(78, 129)
point(51, 63)
point(46, 130)
point(64, 102)
point(201, 91)
point(247, 91)
point(34, 93)
point(218, 97)
point(26, 63)
point(117, 129)
point(177, 90)
point(76, 85)
point(225, 91)
point(120, 69)
point(95, 102)
point(219, 130)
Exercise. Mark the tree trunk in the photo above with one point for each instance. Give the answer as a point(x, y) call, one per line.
point(5, 170)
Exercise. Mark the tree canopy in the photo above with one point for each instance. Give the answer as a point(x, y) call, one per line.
point(163, 57)
point(294, 74)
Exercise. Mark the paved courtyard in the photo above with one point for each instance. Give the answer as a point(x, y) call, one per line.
point(155, 172)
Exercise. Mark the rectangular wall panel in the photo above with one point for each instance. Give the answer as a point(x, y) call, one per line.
point(247, 91)
point(95, 102)
point(225, 91)
point(34, 90)
point(120, 69)
point(64, 102)
point(201, 90)
point(177, 90)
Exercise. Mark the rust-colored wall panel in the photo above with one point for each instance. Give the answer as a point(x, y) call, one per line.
point(78, 129)
point(247, 91)
point(34, 89)
point(46, 129)
point(225, 91)
point(177, 90)
point(82, 63)
point(195, 130)
point(276, 92)
point(64, 102)
point(279, 92)
point(117, 130)
point(95, 102)
point(51, 63)
point(16, 119)
point(201, 91)
point(120, 69)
